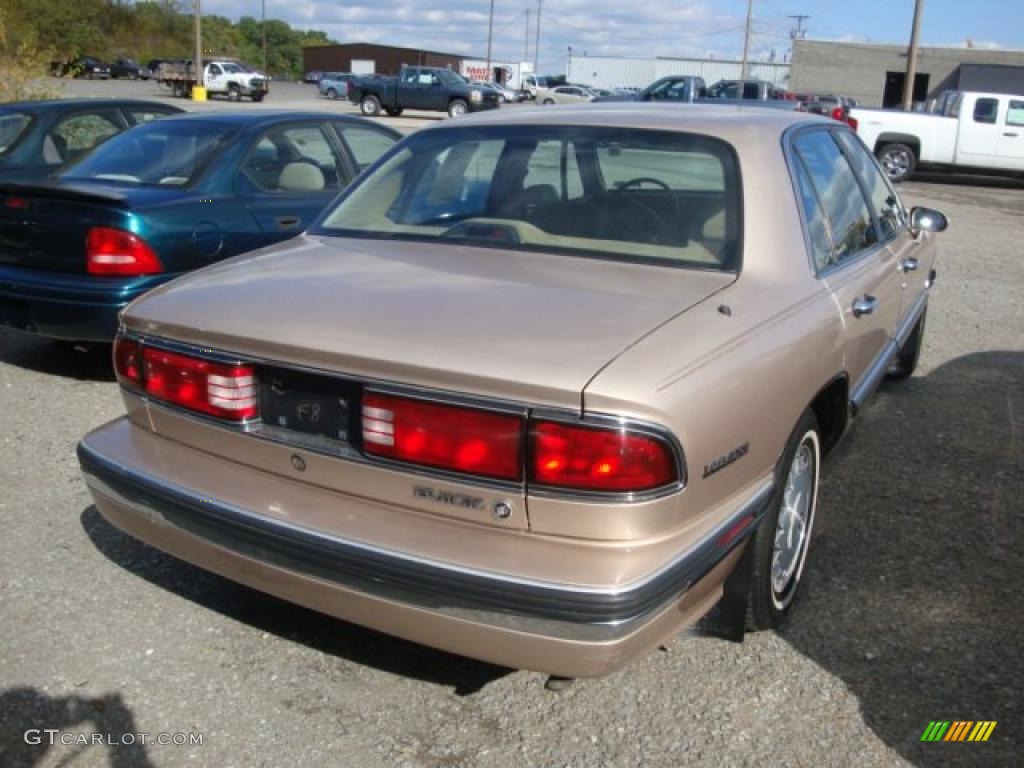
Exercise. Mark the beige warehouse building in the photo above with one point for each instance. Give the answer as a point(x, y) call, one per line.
point(874, 75)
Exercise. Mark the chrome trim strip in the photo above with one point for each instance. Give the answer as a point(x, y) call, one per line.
point(429, 583)
point(873, 377)
point(905, 327)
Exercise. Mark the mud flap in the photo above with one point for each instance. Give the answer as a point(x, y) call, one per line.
point(728, 619)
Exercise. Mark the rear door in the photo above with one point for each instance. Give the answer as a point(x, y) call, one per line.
point(289, 175)
point(856, 266)
point(1011, 135)
point(978, 139)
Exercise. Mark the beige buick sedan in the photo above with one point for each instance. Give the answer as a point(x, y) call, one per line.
point(540, 389)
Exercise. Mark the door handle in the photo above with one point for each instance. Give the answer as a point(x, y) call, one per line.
point(909, 264)
point(865, 305)
point(287, 222)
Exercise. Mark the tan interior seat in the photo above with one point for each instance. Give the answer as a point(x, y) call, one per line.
point(301, 177)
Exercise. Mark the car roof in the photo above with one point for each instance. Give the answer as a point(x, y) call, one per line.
point(264, 116)
point(46, 105)
point(726, 121)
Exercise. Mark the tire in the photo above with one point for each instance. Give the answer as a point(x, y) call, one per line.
point(897, 160)
point(905, 363)
point(234, 94)
point(369, 105)
point(332, 94)
point(257, 97)
point(776, 577)
point(457, 108)
point(394, 112)
point(177, 89)
point(547, 102)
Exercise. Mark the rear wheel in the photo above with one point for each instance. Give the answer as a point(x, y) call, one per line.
point(457, 108)
point(370, 106)
point(783, 538)
point(394, 111)
point(257, 97)
point(897, 160)
point(547, 102)
point(332, 93)
point(905, 363)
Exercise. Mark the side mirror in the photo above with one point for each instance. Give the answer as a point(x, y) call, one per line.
point(927, 220)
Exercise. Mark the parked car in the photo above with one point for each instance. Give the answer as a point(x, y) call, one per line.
point(975, 132)
point(334, 85)
point(566, 94)
point(128, 68)
point(678, 88)
point(85, 66)
point(37, 137)
point(507, 95)
point(753, 90)
point(162, 199)
point(313, 77)
point(537, 389)
point(537, 85)
point(429, 88)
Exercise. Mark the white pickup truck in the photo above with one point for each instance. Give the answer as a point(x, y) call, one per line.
point(223, 77)
point(972, 132)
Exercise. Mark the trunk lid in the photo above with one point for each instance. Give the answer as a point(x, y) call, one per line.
point(529, 327)
point(44, 226)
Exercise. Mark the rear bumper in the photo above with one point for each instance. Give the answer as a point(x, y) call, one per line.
point(67, 306)
point(557, 628)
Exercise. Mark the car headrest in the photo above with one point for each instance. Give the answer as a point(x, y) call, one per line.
point(301, 177)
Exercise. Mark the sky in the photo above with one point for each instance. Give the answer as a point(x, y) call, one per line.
point(645, 28)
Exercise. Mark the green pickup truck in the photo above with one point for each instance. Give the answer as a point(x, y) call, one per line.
point(426, 88)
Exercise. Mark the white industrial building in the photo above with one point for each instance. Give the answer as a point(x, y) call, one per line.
point(625, 72)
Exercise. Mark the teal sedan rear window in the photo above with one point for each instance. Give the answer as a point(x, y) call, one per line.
point(164, 153)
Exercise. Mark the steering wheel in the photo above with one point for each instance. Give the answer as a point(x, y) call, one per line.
point(649, 226)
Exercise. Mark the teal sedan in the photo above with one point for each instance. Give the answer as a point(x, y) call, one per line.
point(162, 199)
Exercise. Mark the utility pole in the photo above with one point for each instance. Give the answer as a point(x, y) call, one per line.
point(490, 33)
point(526, 46)
point(799, 33)
point(746, 48)
point(263, 26)
point(536, 42)
point(908, 83)
point(198, 62)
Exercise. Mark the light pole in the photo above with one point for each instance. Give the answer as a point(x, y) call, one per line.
point(490, 32)
point(536, 41)
point(263, 27)
point(197, 65)
point(915, 31)
point(746, 47)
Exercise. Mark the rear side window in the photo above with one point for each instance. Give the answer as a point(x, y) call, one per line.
point(366, 144)
point(77, 134)
point(845, 207)
point(12, 127)
point(814, 215)
point(985, 110)
point(883, 198)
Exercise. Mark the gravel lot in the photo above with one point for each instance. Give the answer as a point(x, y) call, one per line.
point(910, 612)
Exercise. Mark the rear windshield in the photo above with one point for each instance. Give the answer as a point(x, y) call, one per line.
point(162, 153)
point(12, 126)
point(635, 195)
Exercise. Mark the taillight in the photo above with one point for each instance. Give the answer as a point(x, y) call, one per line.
point(447, 437)
point(838, 113)
point(598, 459)
point(18, 203)
point(128, 362)
point(225, 390)
point(117, 252)
point(852, 122)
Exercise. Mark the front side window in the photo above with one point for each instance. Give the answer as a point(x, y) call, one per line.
point(841, 198)
point(1015, 114)
point(635, 195)
point(985, 110)
point(163, 152)
point(883, 197)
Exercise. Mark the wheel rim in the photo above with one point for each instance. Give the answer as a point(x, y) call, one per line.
point(796, 518)
point(458, 110)
point(896, 163)
point(367, 108)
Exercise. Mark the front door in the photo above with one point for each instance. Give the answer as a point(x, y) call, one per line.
point(1011, 138)
point(978, 139)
